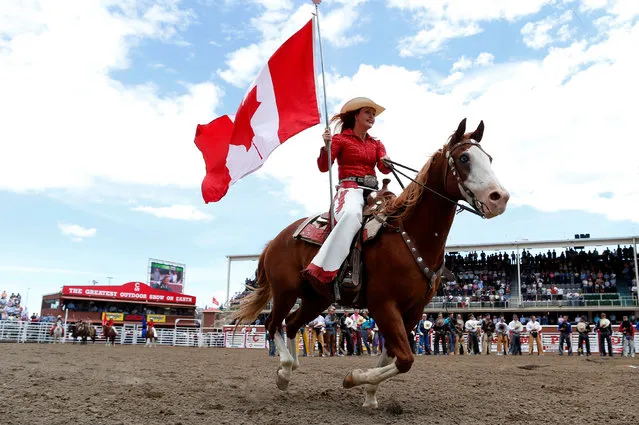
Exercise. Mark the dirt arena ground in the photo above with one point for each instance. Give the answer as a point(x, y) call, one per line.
point(72, 384)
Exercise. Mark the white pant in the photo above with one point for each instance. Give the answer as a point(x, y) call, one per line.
point(347, 211)
point(628, 347)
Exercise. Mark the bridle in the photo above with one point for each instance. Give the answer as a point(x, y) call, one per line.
point(450, 167)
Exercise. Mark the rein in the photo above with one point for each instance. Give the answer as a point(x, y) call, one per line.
point(393, 166)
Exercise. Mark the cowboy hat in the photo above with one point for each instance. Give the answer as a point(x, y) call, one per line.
point(359, 103)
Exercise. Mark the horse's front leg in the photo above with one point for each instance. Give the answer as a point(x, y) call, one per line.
point(371, 389)
point(392, 327)
point(291, 344)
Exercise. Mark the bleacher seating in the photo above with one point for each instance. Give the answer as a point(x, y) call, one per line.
point(570, 277)
point(10, 306)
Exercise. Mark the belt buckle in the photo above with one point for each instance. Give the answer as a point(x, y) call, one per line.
point(370, 181)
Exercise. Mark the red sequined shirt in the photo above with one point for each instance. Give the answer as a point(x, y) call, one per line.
point(355, 157)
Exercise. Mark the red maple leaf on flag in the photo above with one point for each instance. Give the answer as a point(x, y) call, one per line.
point(242, 131)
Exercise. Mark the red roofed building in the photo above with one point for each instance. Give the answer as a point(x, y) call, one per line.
point(126, 303)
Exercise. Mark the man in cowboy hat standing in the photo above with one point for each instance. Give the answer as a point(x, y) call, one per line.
point(583, 327)
point(357, 154)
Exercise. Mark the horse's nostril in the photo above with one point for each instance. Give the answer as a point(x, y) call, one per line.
point(495, 196)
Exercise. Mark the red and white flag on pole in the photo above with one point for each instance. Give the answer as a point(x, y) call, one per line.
point(280, 103)
point(215, 301)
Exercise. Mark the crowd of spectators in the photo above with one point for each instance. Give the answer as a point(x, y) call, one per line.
point(566, 275)
point(10, 306)
point(573, 273)
point(479, 277)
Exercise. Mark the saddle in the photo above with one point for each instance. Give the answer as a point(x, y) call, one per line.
point(315, 230)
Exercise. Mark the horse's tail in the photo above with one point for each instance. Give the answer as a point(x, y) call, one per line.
point(255, 302)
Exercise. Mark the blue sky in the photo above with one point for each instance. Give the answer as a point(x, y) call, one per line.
point(101, 104)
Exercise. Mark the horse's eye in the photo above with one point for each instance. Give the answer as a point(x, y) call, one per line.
point(464, 158)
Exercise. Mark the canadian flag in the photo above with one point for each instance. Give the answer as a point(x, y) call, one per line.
point(280, 103)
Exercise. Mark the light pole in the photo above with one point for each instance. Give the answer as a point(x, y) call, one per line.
point(26, 300)
point(109, 279)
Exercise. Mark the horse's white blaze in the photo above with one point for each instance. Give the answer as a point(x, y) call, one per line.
point(482, 182)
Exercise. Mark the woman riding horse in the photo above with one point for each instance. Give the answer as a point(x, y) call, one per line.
point(356, 153)
point(402, 264)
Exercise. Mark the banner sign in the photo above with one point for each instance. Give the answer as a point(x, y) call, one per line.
point(157, 318)
point(132, 291)
point(245, 337)
point(117, 317)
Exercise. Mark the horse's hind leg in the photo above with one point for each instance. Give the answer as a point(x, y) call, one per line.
point(309, 309)
point(282, 304)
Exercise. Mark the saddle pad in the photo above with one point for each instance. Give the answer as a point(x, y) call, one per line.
point(315, 229)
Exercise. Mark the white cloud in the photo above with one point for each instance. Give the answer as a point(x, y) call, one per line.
point(560, 128)
point(538, 34)
point(76, 232)
point(484, 59)
point(67, 122)
point(176, 212)
point(464, 63)
point(277, 24)
point(444, 20)
point(432, 38)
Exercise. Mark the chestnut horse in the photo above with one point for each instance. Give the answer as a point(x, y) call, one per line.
point(397, 288)
point(109, 333)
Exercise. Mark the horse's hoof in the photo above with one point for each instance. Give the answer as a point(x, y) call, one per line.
point(370, 405)
point(348, 381)
point(281, 382)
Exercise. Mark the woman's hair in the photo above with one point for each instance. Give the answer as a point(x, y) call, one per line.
point(345, 121)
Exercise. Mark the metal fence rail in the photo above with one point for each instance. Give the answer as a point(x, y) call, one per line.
point(27, 332)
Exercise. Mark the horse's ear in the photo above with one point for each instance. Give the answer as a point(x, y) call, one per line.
point(459, 134)
point(479, 133)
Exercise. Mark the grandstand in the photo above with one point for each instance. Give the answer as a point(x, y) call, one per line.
point(575, 276)
point(11, 306)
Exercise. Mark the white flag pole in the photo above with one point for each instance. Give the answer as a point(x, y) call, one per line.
point(328, 147)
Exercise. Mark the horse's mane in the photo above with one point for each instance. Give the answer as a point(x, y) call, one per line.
point(402, 206)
